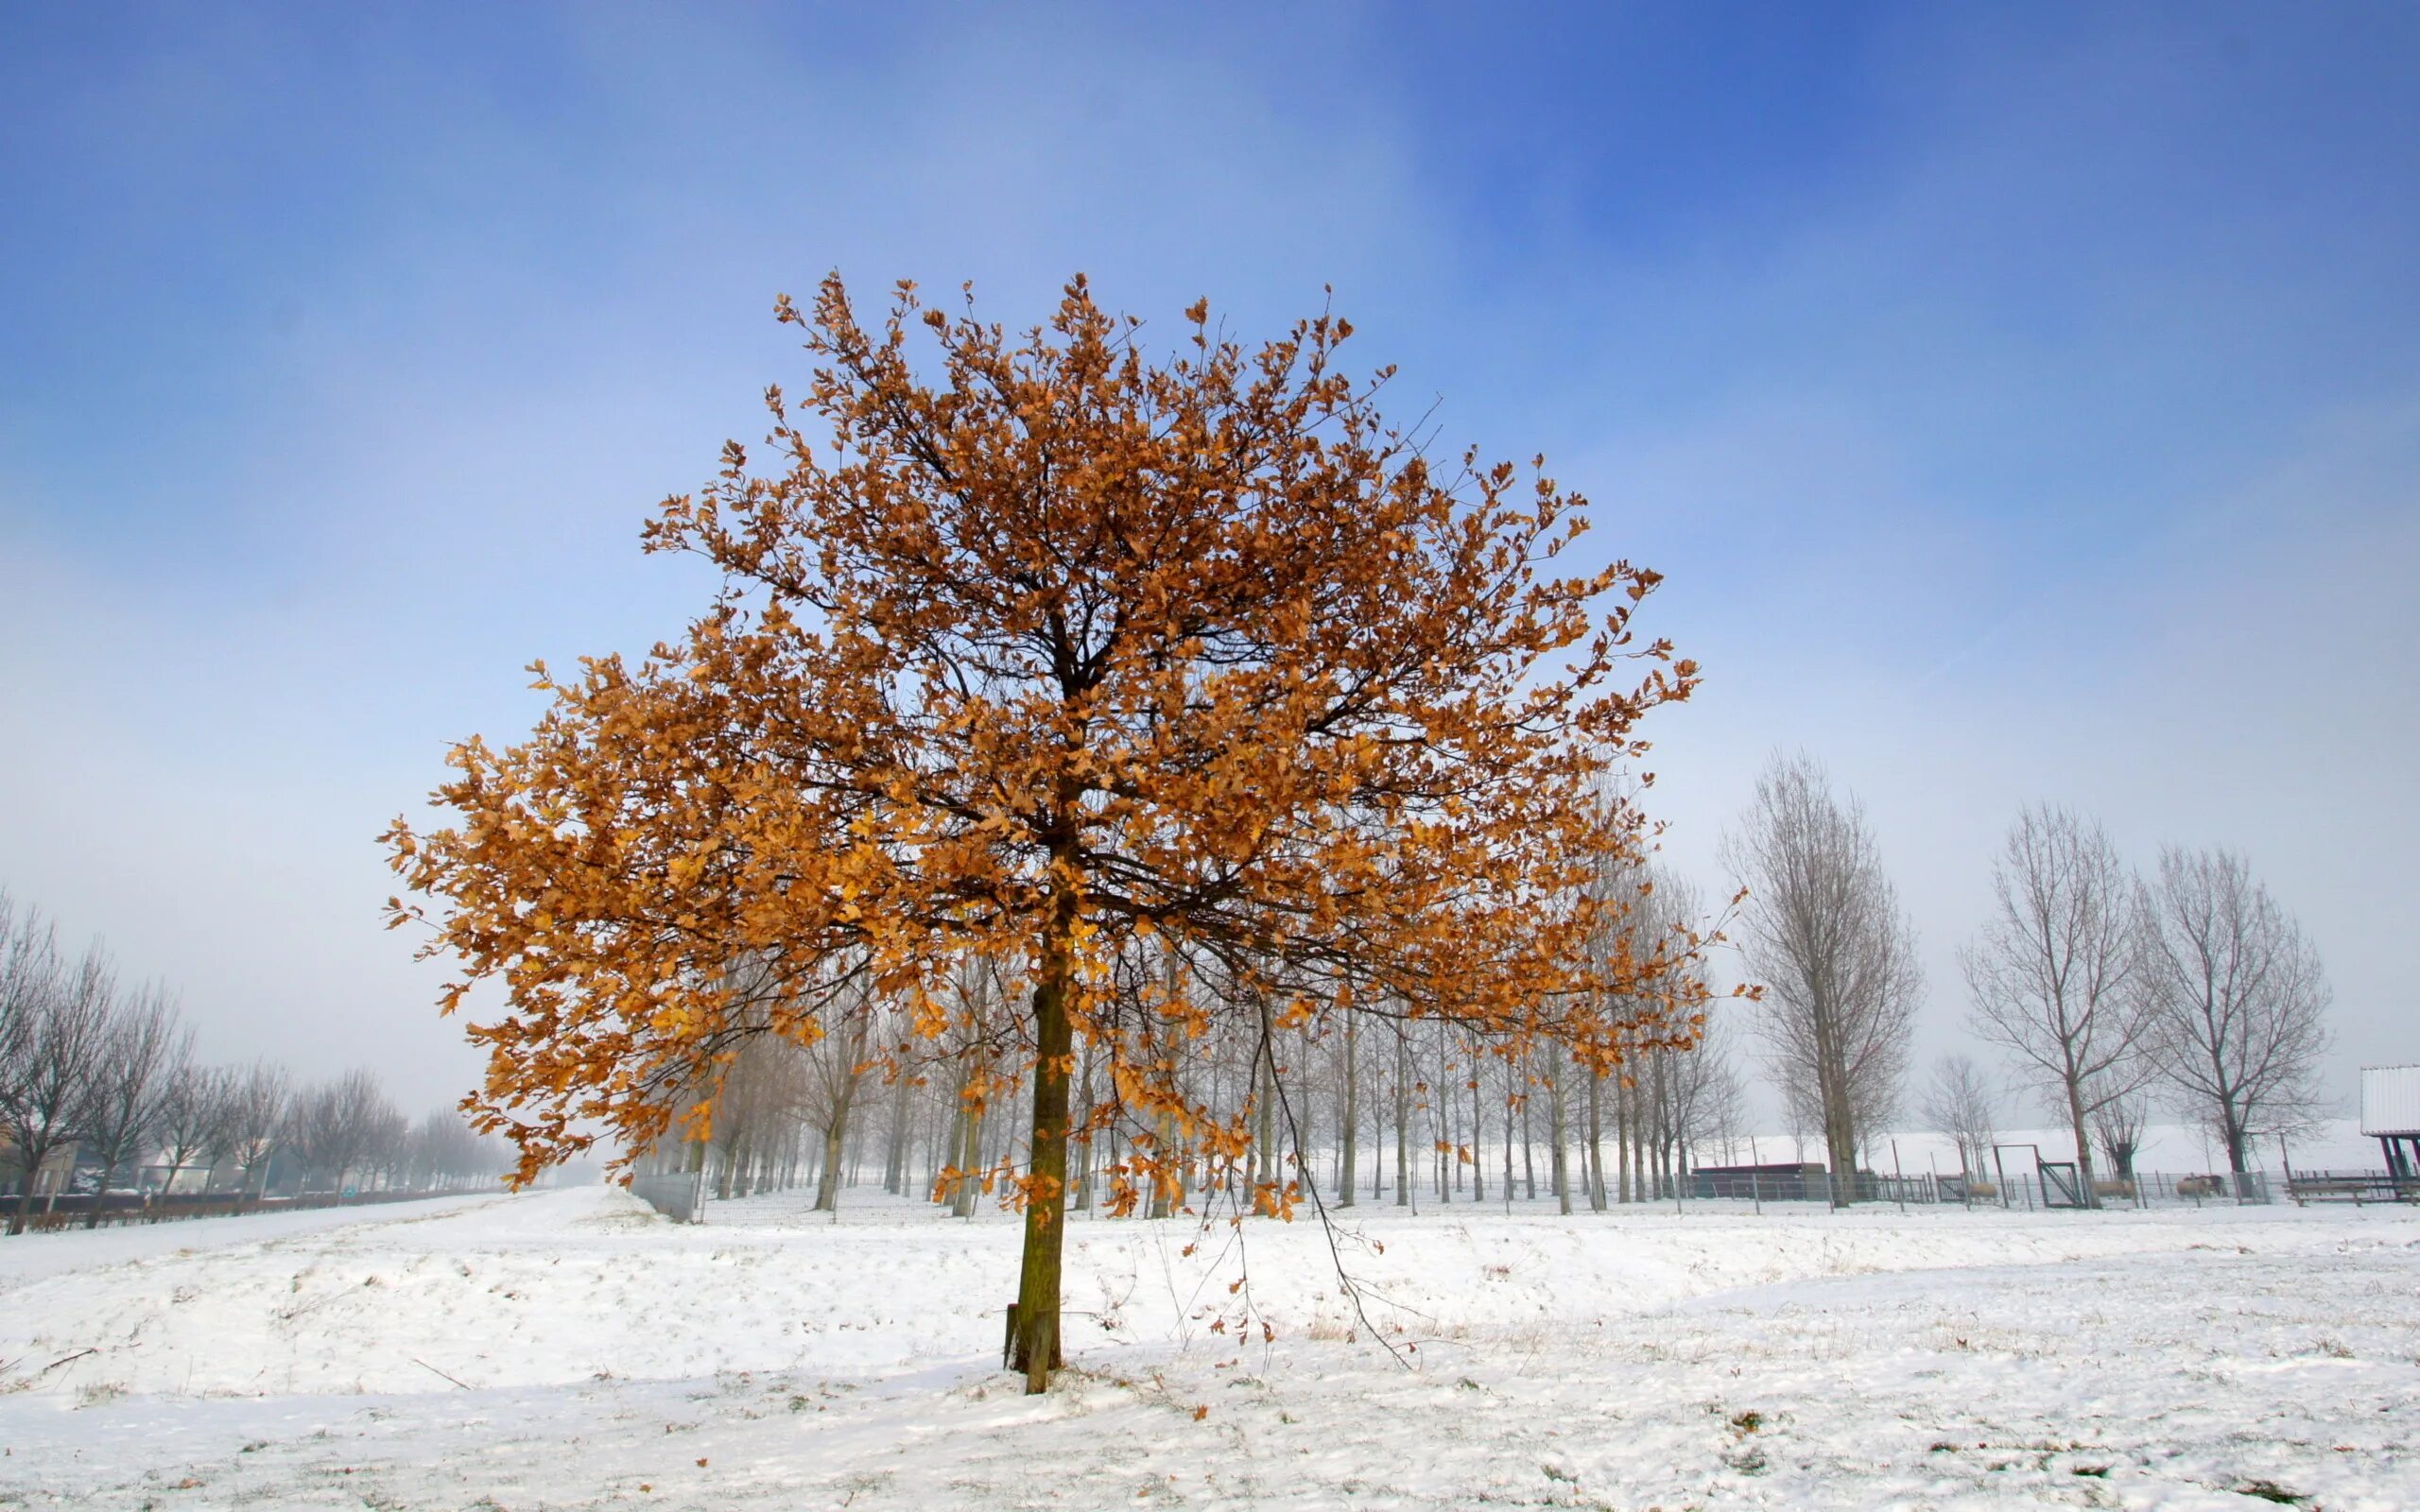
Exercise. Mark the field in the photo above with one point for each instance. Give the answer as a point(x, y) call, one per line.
point(570, 1349)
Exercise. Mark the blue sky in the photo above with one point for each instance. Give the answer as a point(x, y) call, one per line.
point(2021, 401)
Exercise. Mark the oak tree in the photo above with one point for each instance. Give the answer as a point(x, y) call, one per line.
point(1167, 689)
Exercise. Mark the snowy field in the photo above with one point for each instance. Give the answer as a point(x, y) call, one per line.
point(570, 1349)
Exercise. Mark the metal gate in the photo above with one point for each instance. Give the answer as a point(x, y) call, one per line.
point(2062, 1185)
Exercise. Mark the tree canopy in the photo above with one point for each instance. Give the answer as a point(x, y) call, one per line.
point(1043, 654)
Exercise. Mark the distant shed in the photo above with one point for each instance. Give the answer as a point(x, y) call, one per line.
point(2391, 1114)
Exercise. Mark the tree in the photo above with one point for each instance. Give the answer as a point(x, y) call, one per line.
point(1824, 935)
point(1064, 654)
point(334, 1127)
point(1959, 1103)
point(2052, 973)
point(386, 1145)
point(193, 1107)
point(444, 1153)
point(258, 1101)
point(2118, 1125)
point(835, 1069)
point(1669, 1102)
point(61, 1013)
point(2237, 1000)
point(28, 956)
point(143, 1050)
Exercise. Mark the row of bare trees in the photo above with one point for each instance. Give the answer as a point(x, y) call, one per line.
point(1383, 1105)
point(2103, 988)
point(104, 1073)
point(2103, 991)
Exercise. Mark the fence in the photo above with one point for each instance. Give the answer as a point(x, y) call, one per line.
point(2055, 1187)
point(2356, 1187)
point(679, 1195)
point(70, 1210)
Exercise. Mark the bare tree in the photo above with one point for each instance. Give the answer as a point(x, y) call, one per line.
point(2118, 1125)
point(835, 1069)
point(1706, 1102)
point(386, 1145)
point(143, 1047)
point(28, 964)
point(257, 1124)
point(1554, 1087)
point(2239, 1000)
point(333, 1127)
point(1959, 1103)
point(191, 1110)
point(1823, 932)
point(63, 1018)
point(2052, 973)
point(1678, 1097)
point(1721, 1120)
point(446, 1153)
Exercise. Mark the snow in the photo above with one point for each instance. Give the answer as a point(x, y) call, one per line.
point(570, 1349)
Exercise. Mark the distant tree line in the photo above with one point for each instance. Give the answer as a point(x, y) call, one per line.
point(2108, 995)
point(1389, 1108)
point(98, 1080)
point(2106, 992)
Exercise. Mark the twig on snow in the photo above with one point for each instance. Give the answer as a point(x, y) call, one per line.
point(433, 1370)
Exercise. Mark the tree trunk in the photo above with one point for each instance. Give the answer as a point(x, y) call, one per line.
point(2122, 1154)
point(894, 1162)
point(1168, 1185)
point(1528, 1139)
point(1403, 1121)
point(30, 1160)
point(1596, 1142)
point(1840, 1119)
point(1623, 1159)
point(1037, 1344)
point(1555, 1127)
point(100, 1193)
point(1450, 1165)
point(1082, 1199)
point(1479, 1132)
point(827, 1187)
point(968, 1158)
point(1440, 1140)
point(2083, 1141)
point(1265, 1169)
point(1508, 1134)
point(1378, 1162)
point(1351, 1130)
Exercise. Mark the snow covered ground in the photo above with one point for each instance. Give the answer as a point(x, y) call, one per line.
point(570, 1349)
